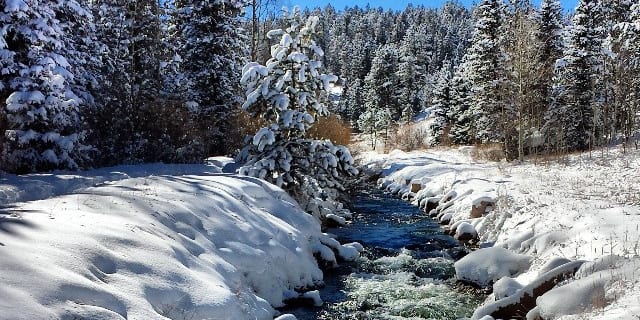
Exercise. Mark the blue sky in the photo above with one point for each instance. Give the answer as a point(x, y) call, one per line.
point(394, 4)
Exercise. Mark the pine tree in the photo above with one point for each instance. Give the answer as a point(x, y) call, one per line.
point(289, 92)
point(459, 112)
point(211, 44)
point(570, 121)
point(624, 44)
point(442, 104)
point(408, 75)
point(125, 120)
point(381, 83)
point(43, 121)
point(352, 102)
point(485, 71)
point(549, 36)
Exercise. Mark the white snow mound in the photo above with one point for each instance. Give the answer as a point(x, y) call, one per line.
point(486, 266)
point(193, 246)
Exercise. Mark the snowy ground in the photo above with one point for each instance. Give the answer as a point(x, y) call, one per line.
point(586, 207)
point(154, 242)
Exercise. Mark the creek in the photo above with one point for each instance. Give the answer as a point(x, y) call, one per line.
point(405, 272)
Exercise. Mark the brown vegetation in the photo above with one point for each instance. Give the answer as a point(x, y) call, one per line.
point(488, 152)
point(243, 125)
point(408, 137)
point(331, 128)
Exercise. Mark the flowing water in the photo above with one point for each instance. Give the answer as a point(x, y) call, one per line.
point(406, 271)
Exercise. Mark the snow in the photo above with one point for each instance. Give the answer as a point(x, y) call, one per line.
point(584, 207)
point(315, 296)
point(465, 228)
point(15, 5)
point(263, 138)
point(148, 241)
point(505, 287)
point(488, 265)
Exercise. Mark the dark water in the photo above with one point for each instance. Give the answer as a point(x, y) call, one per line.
point(406, 271)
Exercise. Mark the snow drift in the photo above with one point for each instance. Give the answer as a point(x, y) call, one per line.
point(193, 246)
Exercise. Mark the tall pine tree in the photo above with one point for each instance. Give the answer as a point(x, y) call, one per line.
point(43, 120)
point(570, 121)
point(485, 70)
point(211, 46)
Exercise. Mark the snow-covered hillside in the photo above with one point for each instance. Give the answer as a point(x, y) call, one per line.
point(584, 209)
point(185, 243)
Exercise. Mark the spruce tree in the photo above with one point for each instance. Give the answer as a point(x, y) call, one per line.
point(381, 83)
point(570, 121)
point(289, 92)
point(549, 37)
point(43, 112)
point(441, 104)
point(485, 71)
point(408, 75)
point(128, 103)
point(459, 112)
point(211, 46)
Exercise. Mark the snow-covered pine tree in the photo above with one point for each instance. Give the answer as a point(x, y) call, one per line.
point(486, 73)
point(372, 121)
point(289, 92)
point(43, 122)
point(381, 83)
point(125, 123)
point(211, 45)
point(459, 111)
point(117, 118)
point(569, 122)
point(408, 75)
point(624, 45)
point(352, 101)
point(441, 105)
point(81, 48)
point(549, 37)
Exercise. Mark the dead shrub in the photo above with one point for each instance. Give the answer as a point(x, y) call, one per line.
point(331, 128)
point(242, 125)
point(488, 152)
point(408, 137)
point(445, 140)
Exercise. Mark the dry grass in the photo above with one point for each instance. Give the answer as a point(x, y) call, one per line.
point(408, 137)
point(488, 152)
point(243, 125)
point(331, 128)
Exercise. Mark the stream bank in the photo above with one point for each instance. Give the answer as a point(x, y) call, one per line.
point(569, 227)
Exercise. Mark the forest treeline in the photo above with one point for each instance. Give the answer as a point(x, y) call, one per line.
point(530, 78)
point(96, 83)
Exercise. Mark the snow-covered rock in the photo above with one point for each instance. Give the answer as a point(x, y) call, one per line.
point(524, 299)
point(505, 287)
point(486, 266)
point(465, 231)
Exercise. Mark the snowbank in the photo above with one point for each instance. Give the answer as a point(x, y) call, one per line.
point(583, 208)
point(485, 266)
point(177, 246)
point(38, 186)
